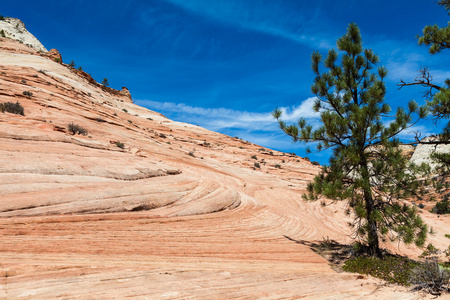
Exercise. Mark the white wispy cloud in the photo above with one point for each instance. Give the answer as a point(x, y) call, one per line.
point(221, 118)
point(404, 58)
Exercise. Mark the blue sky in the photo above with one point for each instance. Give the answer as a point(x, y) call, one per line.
point(226, 64)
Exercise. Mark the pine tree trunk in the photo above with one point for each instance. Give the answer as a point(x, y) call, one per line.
point(372, 234)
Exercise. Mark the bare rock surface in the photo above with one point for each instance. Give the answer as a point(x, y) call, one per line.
point(15, 29)
point(423, 151)
point(143, 207)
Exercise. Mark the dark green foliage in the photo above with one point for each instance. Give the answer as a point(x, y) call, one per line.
point(2, 33)
point(393, 269)
point(124, 110)
point(367, 168)
point(57, 60)
point(435, 37)
point(315, 163)
point(430, 252)
point(27, 93)
point(257, 165)
point(162, 135)
point(14, 108)
point(72, 64)
point(120, 145)
point(2, 18)
point(442, 207)
point(80, 68)
point(191, 154)
point(443, 162)
point(277, 166)
point(76, 129)
point(105, 82)
point(254, 157)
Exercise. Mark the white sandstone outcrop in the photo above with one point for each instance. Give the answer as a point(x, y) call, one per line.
point(423, 151)
point(15, 29)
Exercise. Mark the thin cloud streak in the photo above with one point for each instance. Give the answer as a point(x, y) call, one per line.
point(272, 18)
point(221, 118)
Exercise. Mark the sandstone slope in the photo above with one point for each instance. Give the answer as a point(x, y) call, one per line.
point(178, 212)
point(15, 29)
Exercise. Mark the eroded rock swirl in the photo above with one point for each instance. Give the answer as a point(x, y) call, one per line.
point(176, 211)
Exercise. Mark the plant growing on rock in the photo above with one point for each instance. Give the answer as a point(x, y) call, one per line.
point(367, 168)
point(14, 108)
point(76, 129)
point(430, 277)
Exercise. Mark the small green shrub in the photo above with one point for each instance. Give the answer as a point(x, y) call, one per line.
point(123, 109)
point(2, 18)
point(430, 251)
point(2, 33)
point(393, 269)
point(421, 205)
point(442, 207)
point(76, 129)
point(257, 165)
point(277, 166)
point(27, 93)
point(191, 154)
point(315, 163)
point(57, 60)
point(120, 144)
point(14, 108)
point(162, 135)
point(254, 157)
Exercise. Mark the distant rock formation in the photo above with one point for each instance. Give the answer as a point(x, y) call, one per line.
point(423, 151)
point(15, 29)
point(54, 55)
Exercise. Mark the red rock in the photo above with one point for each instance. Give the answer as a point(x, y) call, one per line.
point(81, 218)
point(54, 55)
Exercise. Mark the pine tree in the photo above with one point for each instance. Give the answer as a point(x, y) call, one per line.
point(367, 168)
point(105, 82)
